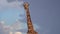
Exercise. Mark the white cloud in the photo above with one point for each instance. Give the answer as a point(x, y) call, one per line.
point(20, 25)
point(18, 33)
point(17, 26)
point(15, 32)
point(5, 4)
point(2, 22)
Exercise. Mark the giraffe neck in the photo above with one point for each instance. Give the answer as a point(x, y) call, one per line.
point(29, 22)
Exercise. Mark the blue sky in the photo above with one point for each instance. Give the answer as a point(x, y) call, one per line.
point(44, 13)
point(10, 15)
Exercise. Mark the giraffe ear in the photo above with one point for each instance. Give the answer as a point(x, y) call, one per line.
point(26, 3)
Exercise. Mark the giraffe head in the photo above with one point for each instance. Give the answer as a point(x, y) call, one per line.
point(26, 5)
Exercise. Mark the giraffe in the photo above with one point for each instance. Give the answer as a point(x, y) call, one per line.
point(29, 22)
